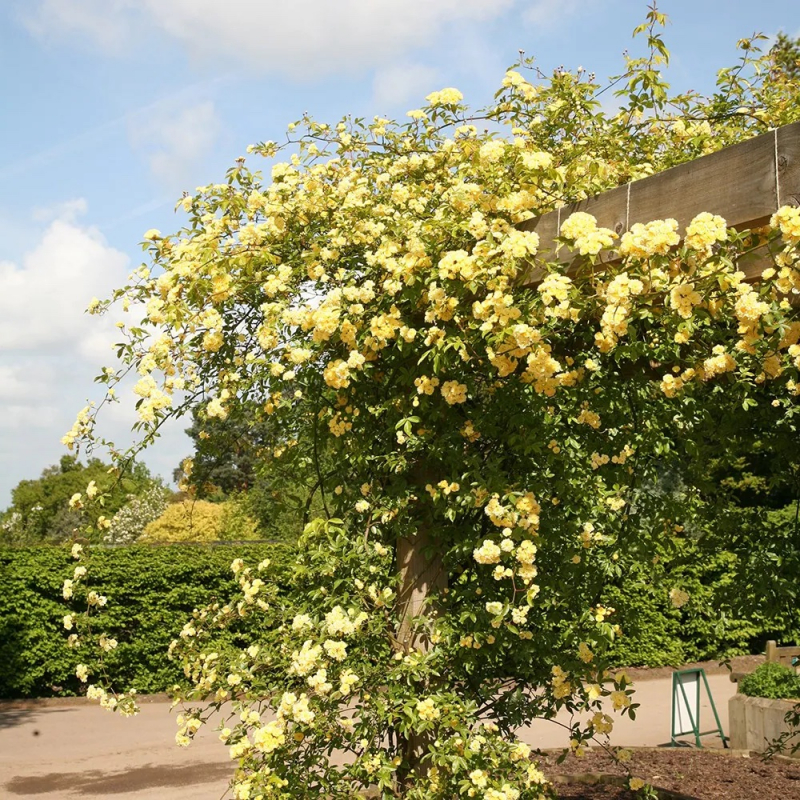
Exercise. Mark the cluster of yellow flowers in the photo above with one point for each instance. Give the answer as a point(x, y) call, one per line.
point(620, 295)
point(427, 710)
point(555, 291)
point(425, 384)
point(560, 683)
point(787, 220)
point(704, 231)
point(649, 239)
point(454, 392)
point(444, 97)
point(683, 299)
point(581, 228)
point(678, 597)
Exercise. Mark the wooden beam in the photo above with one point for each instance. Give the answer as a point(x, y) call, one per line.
point(744, 183)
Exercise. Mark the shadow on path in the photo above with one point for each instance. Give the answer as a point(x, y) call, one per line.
point(102, 784)
point(12, 715)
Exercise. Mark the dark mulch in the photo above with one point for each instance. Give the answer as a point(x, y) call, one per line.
point(700, 774)
point(595, 793)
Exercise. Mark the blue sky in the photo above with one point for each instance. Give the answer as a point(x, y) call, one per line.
point(111, 108)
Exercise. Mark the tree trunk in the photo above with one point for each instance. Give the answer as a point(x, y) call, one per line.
point(421, 574)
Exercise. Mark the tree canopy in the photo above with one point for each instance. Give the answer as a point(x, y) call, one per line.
point(40, 509)
point(498, 451)
point(230, 461)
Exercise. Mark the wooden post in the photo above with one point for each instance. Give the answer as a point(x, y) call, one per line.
point(772, 650)
point(420, 567)
point(422, 572)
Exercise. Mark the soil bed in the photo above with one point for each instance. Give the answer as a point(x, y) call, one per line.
point(700, 774)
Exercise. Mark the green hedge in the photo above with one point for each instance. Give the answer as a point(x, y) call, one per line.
point(151, 590)
point(656, 634)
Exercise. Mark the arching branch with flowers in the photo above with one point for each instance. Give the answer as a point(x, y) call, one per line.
point(503, 380)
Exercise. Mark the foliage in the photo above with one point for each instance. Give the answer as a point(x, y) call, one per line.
point(226, 454)
point(128, 524)
point(237, 524)
point(768, 550)
point(776, 681)
point(655, 633)
point(40, 509)
point(200, 521)
point(500, 451)
point(151, 591)
point(785, 56)
point(228, 461)
point(685, 608)
point(282, 505)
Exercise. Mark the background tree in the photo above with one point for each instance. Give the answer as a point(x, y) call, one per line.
point(226, 454)
point(232, 460)
point(40, 509)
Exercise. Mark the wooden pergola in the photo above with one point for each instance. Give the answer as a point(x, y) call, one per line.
point(744, 184)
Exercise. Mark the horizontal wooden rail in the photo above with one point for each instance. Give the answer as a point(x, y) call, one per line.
point(744, 183)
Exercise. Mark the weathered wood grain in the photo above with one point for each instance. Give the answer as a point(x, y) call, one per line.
point(789, 164)
point(738, 183)
point(744, 184)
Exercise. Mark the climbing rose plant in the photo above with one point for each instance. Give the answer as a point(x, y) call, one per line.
point(494, 446)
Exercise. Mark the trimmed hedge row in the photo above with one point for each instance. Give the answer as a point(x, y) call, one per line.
point(151, 590)
point(656, 634)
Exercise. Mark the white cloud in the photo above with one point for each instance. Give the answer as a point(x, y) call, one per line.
point(303, 39)
point(20, 382)
point(403, 85)
point(44, 298)
point(175, 142)
point(68, 211)
point(22, 417)
point(49, 348)
point(104, 21)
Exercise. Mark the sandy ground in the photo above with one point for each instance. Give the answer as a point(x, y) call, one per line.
point(74, 749)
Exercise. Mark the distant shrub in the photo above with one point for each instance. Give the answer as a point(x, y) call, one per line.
point(186, 521)
point(201, 521)
point(237, 525)
point(129, 522)
point(771, 680)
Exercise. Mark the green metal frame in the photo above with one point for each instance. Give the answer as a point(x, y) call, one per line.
point(677, 685)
